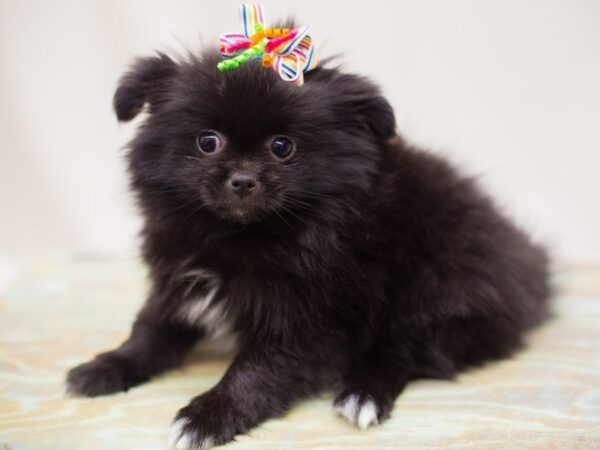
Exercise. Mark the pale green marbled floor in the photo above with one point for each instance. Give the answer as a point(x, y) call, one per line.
point(55, 316)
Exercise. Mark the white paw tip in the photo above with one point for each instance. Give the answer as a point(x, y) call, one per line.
point(185, 441)
point(176, 431)
point(362, 415)
point(367, 415)
point(348, 408)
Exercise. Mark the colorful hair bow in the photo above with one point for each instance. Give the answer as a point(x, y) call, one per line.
point(290, 52)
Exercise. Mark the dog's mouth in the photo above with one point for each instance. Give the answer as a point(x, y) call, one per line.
point(241, 211)
point(246, 209)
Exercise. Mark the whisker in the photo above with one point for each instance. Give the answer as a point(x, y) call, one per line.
point(319, 196)
point(170, 191)
point(281, 217)
point(193, 212)
point(294, 214)
point(301, 205)
point(183, 206)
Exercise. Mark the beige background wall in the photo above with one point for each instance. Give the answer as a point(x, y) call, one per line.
point(509, 89)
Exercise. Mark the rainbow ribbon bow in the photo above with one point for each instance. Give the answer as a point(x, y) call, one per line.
point(290, 52)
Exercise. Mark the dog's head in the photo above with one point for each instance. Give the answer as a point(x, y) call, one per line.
point(245, 145)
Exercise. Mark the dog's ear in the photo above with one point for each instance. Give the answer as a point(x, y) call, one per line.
point(358, 100)
point(146, 82)
point(377, 114)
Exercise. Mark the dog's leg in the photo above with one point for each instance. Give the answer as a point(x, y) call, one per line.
point(261, 383)
point(151, 348)
point(368, 392)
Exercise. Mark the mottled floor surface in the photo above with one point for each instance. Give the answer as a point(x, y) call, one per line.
point(55, 316)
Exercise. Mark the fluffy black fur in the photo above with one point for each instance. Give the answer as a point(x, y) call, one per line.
point(359, 264)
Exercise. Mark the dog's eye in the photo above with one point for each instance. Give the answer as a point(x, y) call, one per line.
point(208, 142)
point(282, 147)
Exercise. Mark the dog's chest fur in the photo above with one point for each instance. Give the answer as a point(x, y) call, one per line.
point(204, 306)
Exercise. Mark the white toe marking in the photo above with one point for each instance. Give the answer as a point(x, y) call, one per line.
point(367, 415)
point(176, 431)
point(348, 408)
point(208, 443)
point(185, 440)
point(362, 415)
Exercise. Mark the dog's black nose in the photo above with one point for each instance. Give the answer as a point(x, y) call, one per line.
point(242, 184)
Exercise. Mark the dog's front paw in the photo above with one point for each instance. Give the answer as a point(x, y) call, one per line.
point(210, 419)
point(360, 408)
point(105, 374)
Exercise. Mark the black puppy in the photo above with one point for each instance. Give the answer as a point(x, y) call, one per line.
point(295, 221)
